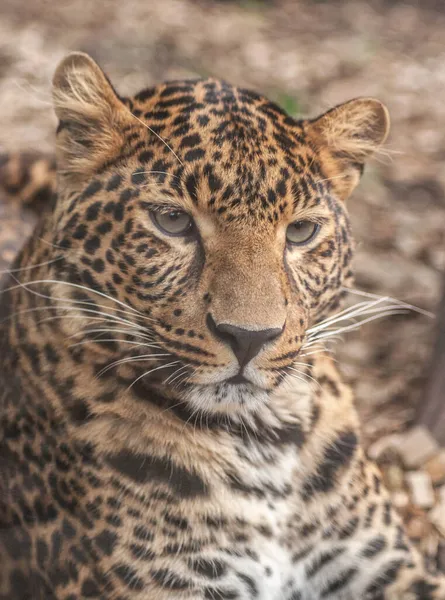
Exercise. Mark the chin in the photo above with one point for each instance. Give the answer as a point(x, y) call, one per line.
point(226, 397)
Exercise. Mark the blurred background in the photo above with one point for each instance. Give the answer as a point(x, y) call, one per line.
point(307, 55)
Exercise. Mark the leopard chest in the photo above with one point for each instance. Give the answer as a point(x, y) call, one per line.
point(253, 556)
point(255, 550)
point(236, 542)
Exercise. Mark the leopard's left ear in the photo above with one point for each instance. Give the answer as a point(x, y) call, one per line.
point(345, 137)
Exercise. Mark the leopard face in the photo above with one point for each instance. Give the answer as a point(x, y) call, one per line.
point(212, 223)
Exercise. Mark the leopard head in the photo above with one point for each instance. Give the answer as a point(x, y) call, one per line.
point(209, 220)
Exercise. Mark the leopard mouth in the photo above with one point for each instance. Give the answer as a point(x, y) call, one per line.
point(238, 379)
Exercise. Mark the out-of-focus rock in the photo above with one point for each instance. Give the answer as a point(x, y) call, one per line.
point(416, 446)
point(385, 446)
point(422, 493)
point(400, 500)
point(394, 477)
point(417, 528)
point(437, 517)
point(435, 467)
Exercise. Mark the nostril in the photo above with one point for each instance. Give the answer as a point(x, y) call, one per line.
point(245, 343)
point(213, 327)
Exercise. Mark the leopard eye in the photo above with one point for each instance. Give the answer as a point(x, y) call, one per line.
point(301, 232)
point(173, 222)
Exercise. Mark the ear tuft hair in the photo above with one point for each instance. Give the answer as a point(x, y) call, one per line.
point(90, 114)
point(347, 135)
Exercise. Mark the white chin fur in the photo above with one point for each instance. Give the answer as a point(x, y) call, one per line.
point(226, 397)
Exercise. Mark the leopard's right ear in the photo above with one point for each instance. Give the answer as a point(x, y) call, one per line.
point(91, 117)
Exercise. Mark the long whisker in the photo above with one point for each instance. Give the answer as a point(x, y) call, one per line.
point(108, 330)
point(299, 378)
point(186, 378)
point(363, 312)
point(29, 267)
point(140, 331)
point(101, 341)
point(71, 302)
point(375, 296)
point(75, 285)
point(158, 136)
point(151, 371)
point(162, 173)
point(305, 375)
point(171, 378)
point(357, 325)
point(77, 317)
point(331, 178)
point(106, 318)
point(347, 314)
point(365, 307)
point(343, 313)
point(141, 358)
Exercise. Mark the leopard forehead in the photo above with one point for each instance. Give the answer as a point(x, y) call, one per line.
point(228, 149)
point(212, 123)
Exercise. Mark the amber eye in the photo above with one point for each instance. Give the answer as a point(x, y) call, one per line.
point(173, 222)
point(301, 232)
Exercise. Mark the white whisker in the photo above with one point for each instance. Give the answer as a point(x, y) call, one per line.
point(29, 267)
point(130, 359)
point(152, 371)
point(160, 173)
point(387, 313)
point(103, 330)
point(71, 301)
point(105, 318)
point(114, 340)
point(305, 375)
point(75, 285)
point(348, 313)
point(375, 296)
point(158, 136)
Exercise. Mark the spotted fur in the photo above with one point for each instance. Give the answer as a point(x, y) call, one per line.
point(131, 466)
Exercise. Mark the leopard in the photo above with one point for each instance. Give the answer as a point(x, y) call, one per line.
point(171, 423)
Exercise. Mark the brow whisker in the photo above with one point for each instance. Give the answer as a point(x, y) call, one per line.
point(158, 136)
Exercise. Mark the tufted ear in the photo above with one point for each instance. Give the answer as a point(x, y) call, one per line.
point(346, 136)
point(91, 117)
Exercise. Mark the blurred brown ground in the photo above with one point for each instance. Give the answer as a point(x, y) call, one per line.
point(307, 56)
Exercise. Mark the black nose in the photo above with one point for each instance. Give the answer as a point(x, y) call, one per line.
point(245, 343)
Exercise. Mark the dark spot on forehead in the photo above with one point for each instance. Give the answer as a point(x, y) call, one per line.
point(114, 182)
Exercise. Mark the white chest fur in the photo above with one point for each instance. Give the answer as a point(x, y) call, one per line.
point(262, 568)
